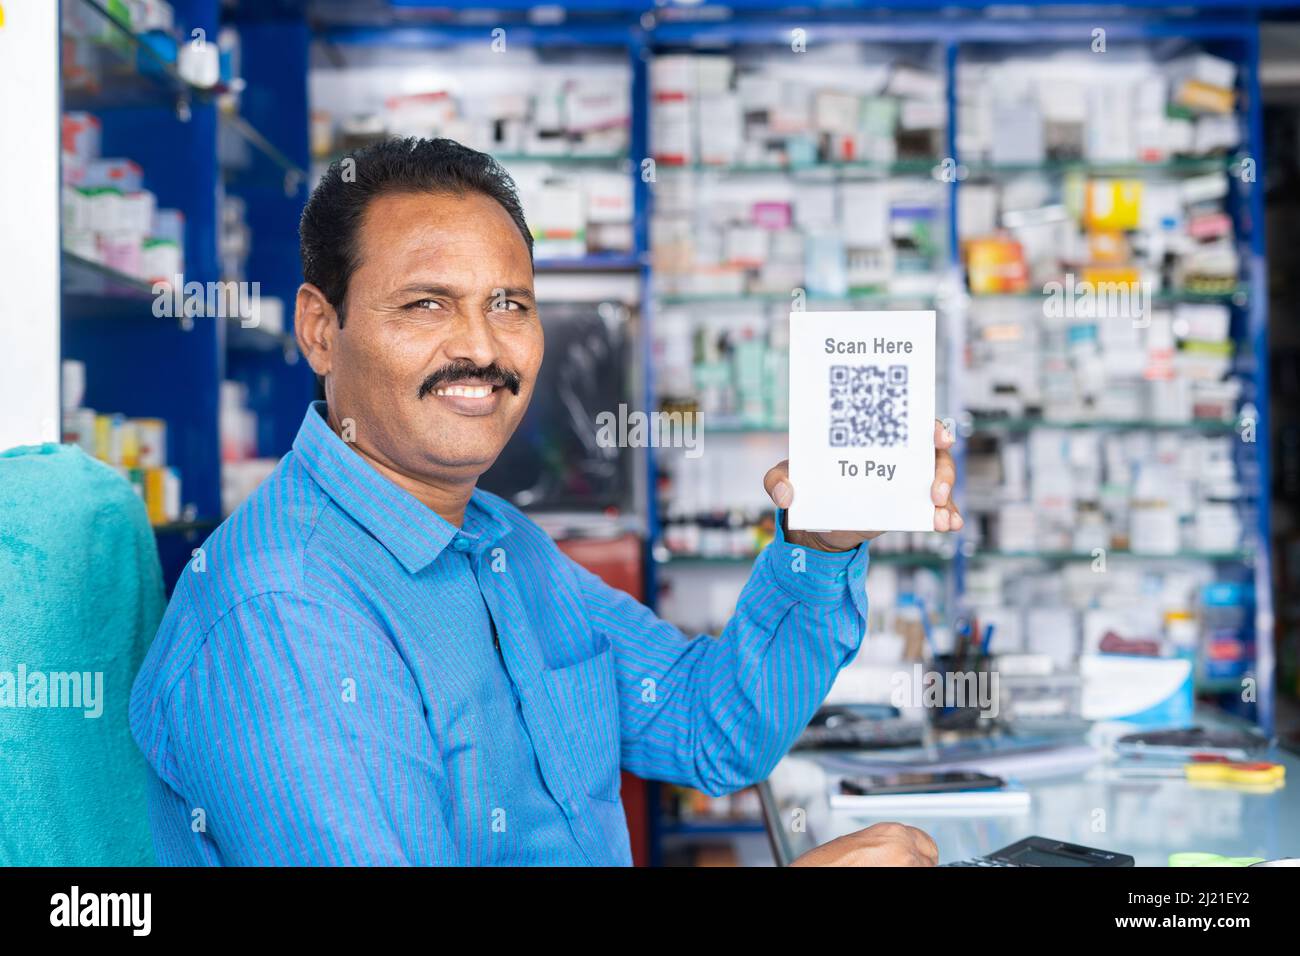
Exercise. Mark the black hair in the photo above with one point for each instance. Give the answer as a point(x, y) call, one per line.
point(332, 217)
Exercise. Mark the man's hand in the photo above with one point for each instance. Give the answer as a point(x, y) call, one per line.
point(946, 515)
point(885, 844)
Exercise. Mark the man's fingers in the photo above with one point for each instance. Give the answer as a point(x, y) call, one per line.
point(946, 515)
point(945, 473)
point(924, 844)
point(956, 522)
point(777, 484)
point(948, 518)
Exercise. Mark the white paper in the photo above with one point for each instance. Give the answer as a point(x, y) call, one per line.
point(862, 421)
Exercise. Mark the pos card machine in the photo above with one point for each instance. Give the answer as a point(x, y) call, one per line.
point(1039, 851)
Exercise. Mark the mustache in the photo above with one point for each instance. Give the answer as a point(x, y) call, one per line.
point(492, 374)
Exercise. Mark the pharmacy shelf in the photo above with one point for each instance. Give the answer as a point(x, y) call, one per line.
point(140, 77)
point(575, 34)
point(909, 26)
point(566, 159)
point(95, 286)
point(597, 262)
point(858, 300)
point(1021, 33)
point(258, 340)
point(137, 74)
point(1172, 168)
point(1063, 557)
point(740, 428)
point(1239, 296)
point(1237, 40)
point(275, 59)
point(521, 159)
point(982, 423)
point(253, 137)
point(926, 167)
point(137, 363)
point(562, 159)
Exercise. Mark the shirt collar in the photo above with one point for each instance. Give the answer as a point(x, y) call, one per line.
point(411, 531)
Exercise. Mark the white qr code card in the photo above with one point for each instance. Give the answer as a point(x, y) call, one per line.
point(862, 421)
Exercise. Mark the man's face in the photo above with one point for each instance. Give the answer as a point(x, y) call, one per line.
point(441, 340)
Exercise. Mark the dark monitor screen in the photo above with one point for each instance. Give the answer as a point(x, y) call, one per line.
point(554, 462)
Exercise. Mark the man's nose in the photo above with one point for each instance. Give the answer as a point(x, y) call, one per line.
point(472, 340)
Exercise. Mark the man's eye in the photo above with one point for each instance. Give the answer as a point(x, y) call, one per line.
point(508, 305)
point(425, 304)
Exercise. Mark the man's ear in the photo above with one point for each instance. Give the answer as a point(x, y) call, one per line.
point(315, 323)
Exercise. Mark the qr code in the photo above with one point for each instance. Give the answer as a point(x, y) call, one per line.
point(868, 405)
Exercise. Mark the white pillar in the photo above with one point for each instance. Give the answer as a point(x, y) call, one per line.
point(29, 222)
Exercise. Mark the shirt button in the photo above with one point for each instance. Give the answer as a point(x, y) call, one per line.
point(840, 575)
point(460, 544)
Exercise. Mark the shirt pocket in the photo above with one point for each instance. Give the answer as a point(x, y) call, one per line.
point(585, 698)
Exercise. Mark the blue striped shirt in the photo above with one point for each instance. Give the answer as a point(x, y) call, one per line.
point(343, 677)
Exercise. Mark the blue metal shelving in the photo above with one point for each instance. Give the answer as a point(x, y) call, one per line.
point(142, 365)
point(273, 186)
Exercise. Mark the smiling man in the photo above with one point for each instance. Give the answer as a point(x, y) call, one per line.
point(376, 663)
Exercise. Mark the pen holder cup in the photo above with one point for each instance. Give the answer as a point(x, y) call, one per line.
point(964, 695)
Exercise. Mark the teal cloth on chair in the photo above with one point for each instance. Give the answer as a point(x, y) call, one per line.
point(80, 593)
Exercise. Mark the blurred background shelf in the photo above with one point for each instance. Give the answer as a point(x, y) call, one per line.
point(88, 282)
point(245, 130)
point(611, 262)
point(862, 299)
point(982, 423)
point(1114, 553)
point(930, 167)
point(253, 339)
point(1238, 296)
point(1174, 167)
point(136, 74)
